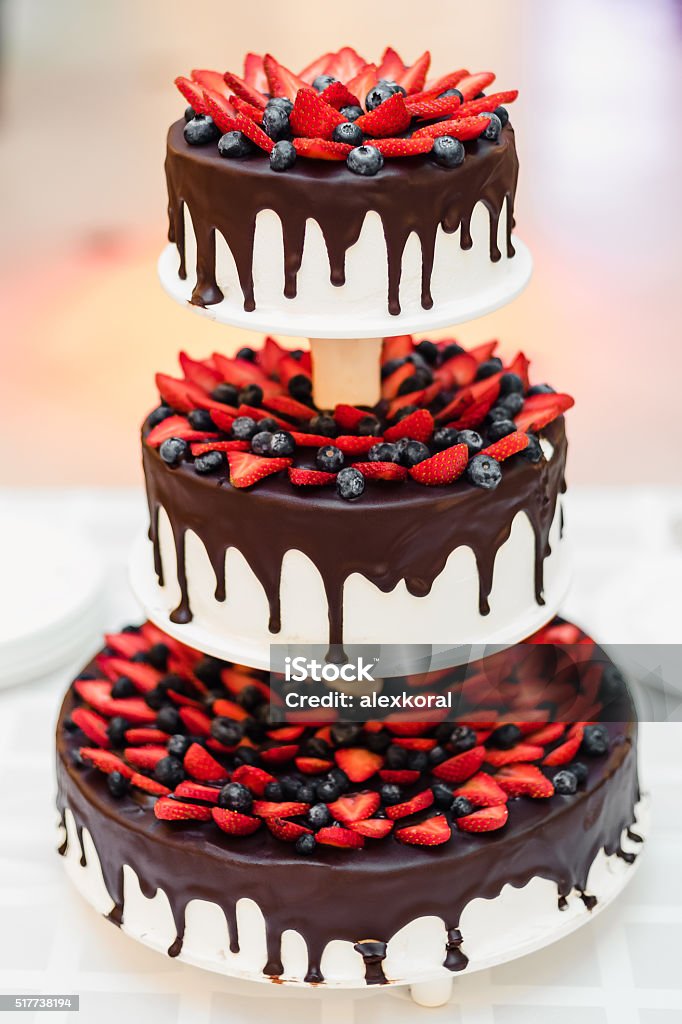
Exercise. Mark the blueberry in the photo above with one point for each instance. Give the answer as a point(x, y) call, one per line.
point(168, 720)
point(305, 844)
point(378, 742)
point(580, 772)
point(169, 772)
point(246, 755)
point(226, 393)
point(300, 387)
point(247, 353)
point(390, 794)
point(502, 114)
point(327, 791)
point(290, 786)
point(275, 124)
point(211, 462)
point(159, 415)
point(414, 453)
point(565, 782)
point(540, 389)
point(437, 755)
point(428, 351)
point(415, 382)
point(282, 444)
point(396, 757)
point(283, 155)
point(158, 656)
point(368, 426)
point(512, 404)
point(233, 145)
point(385, 451)
point(348, 132)
point(505, 736)
point(173, 450)
point(393, 86)
point(352, 113)
point(208, 670)
point(116, 731)
point(488, 367)
point(325, 425)
point(533, 452)
point(281, 101)
point(226, 731)
point(377, 95)
point(510, 383)
point(461, 807)
point(346, 734)
point(500, 428)
point(329, 459)
point(118, 784)
point(339, 778)
point(178, 745)
point(260, 442)
point(365, 160)
point(319, 816)
point(492, 132)
point(462, 738)
point(452, 92)
point(317, 747)
point(417, 760)
point(612, 683)
point(442, 795)
point(498, 412)
point(471, 439)
point(235, 797)
point(444, 438)
point(448, 151)
point(390, 366)
point(190, 112)
point(307, 793)
point(123, 687)
point(273, 791)
point(451, 350)
point(595, 740)
point(322, 81)
point(244, 427)
point(350, 483)
point(201, 130)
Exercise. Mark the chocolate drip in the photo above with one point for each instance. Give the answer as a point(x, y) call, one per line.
point(373, 954)
point(455, 959)
point(563, 903)
point(591, 901)
point(410, 195)
point(633, 836)
point(625, 855)
point(392, 534)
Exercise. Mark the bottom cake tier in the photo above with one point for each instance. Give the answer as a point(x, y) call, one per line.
point(346, 854)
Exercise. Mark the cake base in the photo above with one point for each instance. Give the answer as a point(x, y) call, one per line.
point(539, 925)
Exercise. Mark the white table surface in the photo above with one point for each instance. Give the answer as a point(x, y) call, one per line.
point(622, 969)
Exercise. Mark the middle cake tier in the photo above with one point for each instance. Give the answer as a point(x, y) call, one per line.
point(433, 517)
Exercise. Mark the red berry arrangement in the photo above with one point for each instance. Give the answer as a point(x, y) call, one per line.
point(340, 107)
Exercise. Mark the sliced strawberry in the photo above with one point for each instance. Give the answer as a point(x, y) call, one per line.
point(488, 103)
point(105, 761)
point(284, 809)
point(321, 149)
point(539, 410)
point(355, 807)
point(429, 109)
point(253, 132)
point(199, 372)
point(346, 63)
point(381, 470)
point(253, 113)
point(210, 80)
point(313, 765)
point(195, 791)
point(547, 734)
point(142, 737)
point(398, 347)
point(246, 469)
point(412, 806)
point(401, 776)
point(335, 835)
point(133, 709)
point(174, 426)
point(459, 371)
point(290, 407)
point(319, 66)
point(390, 386)
point(388, 119)
point(337, 95)
point(281, 81)
point(352, 445)
point(312, 118)
point(418, 425)
point(463, 128)
point(195, 721)
point(221, 110)
point(348, 417)
point(309, 440)
point(415, 742)
point(358, 764)
point(471, 85)
point(507, 446)
point(488, 819)
point(402, 147)
point(201, 765)
point(229, 709)
point(442, 468)
point(288, 831)
point(167, 809)
point(565, 752)
point(279, 755)
point(244, 91)
point(254, 72)
point(254, 778)
point(521, 752)
point(192, 92)
point(482, 790)
point(93, 725)
point(144, 758)
point(461, 766)
point(449, 81)
point(372, 828)
point(412, 78)
point(524, 780)
point(126, 644)
point(310, 477)
point(182, 395)
point(148, 785)
point(365, 78)
point(201, 447)
point(391, 65)
point(143, 677)
point(432, 832)
point(234, 823)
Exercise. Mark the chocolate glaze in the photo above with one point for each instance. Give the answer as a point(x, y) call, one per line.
point(410, 195)
point(394, 532)
point(349, 895)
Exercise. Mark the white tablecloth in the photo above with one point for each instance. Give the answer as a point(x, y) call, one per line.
point(624, 968)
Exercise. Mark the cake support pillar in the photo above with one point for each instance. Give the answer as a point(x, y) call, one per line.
point(431, 993)
point(346, 370)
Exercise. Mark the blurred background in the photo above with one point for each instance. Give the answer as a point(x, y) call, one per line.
point(86, 95)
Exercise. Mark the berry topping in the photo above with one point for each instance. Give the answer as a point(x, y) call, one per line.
point(234, 823)
point(448, 151)
point(350, 483)
point(484, 471)
point(432, 832)
point(489, 819)
point(365, 160)
point(283, 155)
point(336, 835)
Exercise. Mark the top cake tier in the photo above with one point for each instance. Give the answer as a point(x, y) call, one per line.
point(395, 194)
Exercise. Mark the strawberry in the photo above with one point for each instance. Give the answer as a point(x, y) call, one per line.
point(284, 809)
point(312, 118)
point(244, 91)
point(321, 149)
point(281, 81)
point(415, 742)
point(461, 766)
point(255, 779)
point(126, 644)
point(246, 469)
point(352, 445)
point(221, 110)
point(471, 85)
point(507, 446)
point(355, 807)
point(319, 66)
point(290, 407)
point(460, 370)
point(372, 828)
point(358, 764)
point(344, 64)
point(524, 780)
point(93, 725)
point(412, 806)
point(432, 832)
point(309, 440)
point(143, 677)
point(412, 79)
point(310, 477)
point(193, 93)
point(148, 785)
point(488, 103)
point(337, 95)
point(223, 420)
point(442, 468)
point(254, 72)
point(253, 113)
point(167, 809)
point(142, 737)
point(521, 752)
point(201, 447)
point(288, 831)
point(401, 776)
point(105, 761)
point(253, 132)
point(391, 65)
point(390, 386)
point(279, 755)
point(365, 78)
point(390, 118)
point(133, 709)
point(417, 425)
point(448, 81)
point(565, 752)
point(335, 835)
point(174, 426)
point(210, 80)
point(482, 790)
point(381, 470)
point(201, 765)
point(463, 128)
point(313, 765)
point(199, 372)
point(488, 819)
point(195, 791)
point(144, 758)
point(547, 734)
point(398, 347)
point(229, 709)
point(348, 417)
point(539, 410)
point(234, 823)
point(429, 109)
